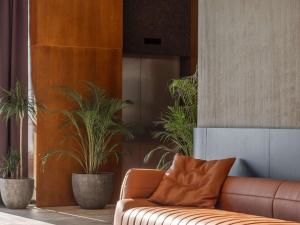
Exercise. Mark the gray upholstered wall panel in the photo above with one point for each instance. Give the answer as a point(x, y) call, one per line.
point(249, 146)
point(200, 138)
point(271, 153)
point(249, 57)
point(285, 153)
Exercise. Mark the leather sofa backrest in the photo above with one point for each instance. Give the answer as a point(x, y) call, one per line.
point(249, 195)
point(287, 201)
point(263, 197)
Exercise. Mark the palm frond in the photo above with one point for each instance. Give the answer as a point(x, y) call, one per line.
point(95, 121)
point(177, 122)
point(16, 103)
point(61, 153)
point(10, 164)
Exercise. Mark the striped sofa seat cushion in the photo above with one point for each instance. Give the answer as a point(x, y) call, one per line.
point(192, 216)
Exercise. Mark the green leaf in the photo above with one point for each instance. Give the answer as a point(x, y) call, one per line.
point(177, 122)
point(94, 122)
point(10, 164)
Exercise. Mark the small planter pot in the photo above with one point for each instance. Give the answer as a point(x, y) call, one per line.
point(92, 191)
point(16, 193)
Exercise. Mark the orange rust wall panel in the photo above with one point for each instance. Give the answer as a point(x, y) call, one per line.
point(94, 23)
point(69, 66)
point(71, 41)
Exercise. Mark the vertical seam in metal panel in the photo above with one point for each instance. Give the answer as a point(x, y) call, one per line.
point(140, 90)
point(140, 106)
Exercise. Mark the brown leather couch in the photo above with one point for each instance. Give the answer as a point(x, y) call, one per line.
point(243, 200)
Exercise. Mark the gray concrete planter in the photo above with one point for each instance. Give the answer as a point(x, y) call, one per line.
point(16, 193)
point(92, 191)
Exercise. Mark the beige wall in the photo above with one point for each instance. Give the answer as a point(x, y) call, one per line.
point(249, 63)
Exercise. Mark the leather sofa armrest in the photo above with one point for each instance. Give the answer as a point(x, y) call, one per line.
point(140, 183)
point(126, 204)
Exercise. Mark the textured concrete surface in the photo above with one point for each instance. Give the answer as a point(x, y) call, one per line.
point(16, 193)
point(70, 215)
point(92, 191)
point(249, 63)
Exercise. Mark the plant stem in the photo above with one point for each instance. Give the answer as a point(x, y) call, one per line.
point(21, 146)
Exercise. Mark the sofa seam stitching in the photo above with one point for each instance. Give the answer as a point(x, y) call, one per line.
point(259, 196)
point(275, 198)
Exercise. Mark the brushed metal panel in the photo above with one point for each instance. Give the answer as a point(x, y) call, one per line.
point(131, 89)
point(249, 146)
point(145, 83)
point(249, 57)
point(285, 154)
point(156, 74)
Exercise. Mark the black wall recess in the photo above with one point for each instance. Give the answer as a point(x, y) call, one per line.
point(157, 27)
point(152, 41)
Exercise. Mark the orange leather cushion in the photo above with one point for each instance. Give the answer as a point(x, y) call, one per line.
point(192, 182)
point(191, 216)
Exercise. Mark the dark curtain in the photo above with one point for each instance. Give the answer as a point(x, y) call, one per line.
point(13, 65)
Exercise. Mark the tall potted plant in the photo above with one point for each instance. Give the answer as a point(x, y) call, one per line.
point(94, 122)
point(16, 190)
point(177, 123)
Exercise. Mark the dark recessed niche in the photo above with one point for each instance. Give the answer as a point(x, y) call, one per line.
point(152, 41)
point(160, 27)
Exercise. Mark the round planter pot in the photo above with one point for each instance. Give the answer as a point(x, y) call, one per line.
point(16, 193)
point(92, 191)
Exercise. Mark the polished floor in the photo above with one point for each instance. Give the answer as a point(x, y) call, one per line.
point(70, 215)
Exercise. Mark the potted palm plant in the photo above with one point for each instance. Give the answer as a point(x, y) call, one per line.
point(16, 190)
point(177, 123)
point(94, 122)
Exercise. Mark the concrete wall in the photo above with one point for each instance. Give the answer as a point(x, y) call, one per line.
point(249, 63)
